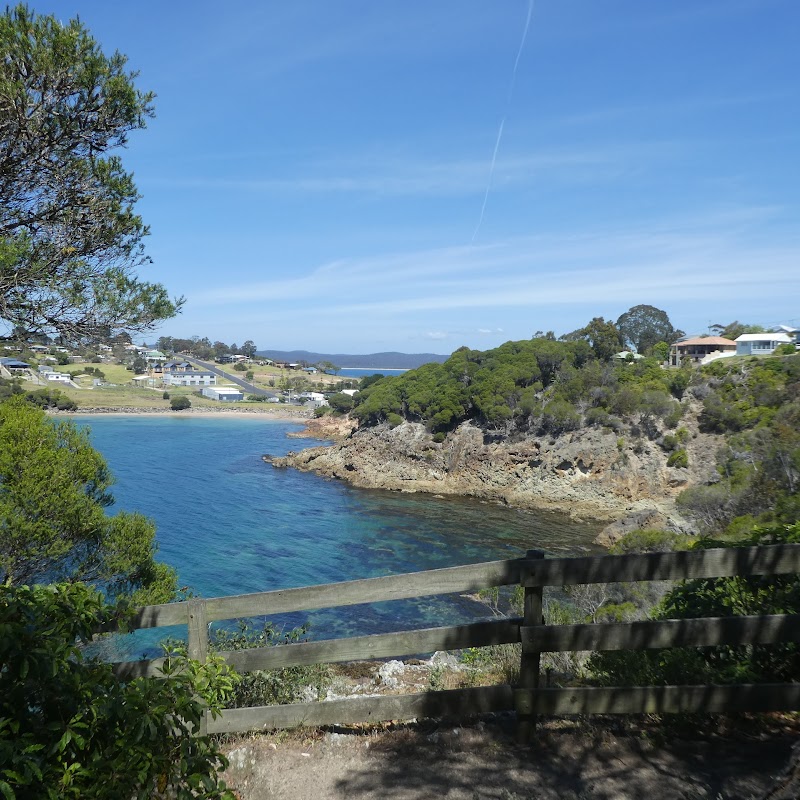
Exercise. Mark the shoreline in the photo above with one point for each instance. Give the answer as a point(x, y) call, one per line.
point(279, 415)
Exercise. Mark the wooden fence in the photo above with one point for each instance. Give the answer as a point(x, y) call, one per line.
point(533, 572)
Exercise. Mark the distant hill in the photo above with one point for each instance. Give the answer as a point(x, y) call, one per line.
point(370, 361)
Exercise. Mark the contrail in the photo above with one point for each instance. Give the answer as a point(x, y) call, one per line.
point(503, 121)
point(521, 47)
point(489, 183)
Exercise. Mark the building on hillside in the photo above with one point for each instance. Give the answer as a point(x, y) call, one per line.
point(700, 349)
point(760, 344)
point(224, 394)
point(628, 355)
point(350, 392)
point(14, 365)
point(313, 399)
point(793, 331)
point(58, 377)
point(189, 378)
point(177, 366)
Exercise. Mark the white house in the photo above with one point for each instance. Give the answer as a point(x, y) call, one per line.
point(760, 344)
point(350, 392)
point(189, 378)
point(315, 399)
point(225, 394)
point(58, 377)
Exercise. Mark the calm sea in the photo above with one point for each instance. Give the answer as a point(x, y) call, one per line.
point(231, 524)
point(348, 372)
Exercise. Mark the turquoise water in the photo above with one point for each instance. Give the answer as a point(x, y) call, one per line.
point(231, 524)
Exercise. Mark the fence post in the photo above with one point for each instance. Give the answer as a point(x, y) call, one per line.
point(197, 647)
point(529, 661)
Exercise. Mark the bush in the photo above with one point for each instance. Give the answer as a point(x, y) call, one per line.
point(239, 366)
point(165, 396)
point(716, 597)
point(274, 686)
point(70, 729)
point(679, 458)
point(180, 403)
point(394, 420)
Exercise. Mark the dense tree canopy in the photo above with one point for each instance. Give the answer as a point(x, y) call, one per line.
point(643, 326)
point(70, 729)
point(54, 489)
point(70, 240)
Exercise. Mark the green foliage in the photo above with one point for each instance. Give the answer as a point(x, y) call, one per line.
point(787, 349)
point(240, 366)
point(651, 541)
point(180, 403)
point(54, 489)
point(69, 238)
point(50, 398)
point(70, 729)
point(165, 396)
point(716, 597)
point(341, 402)
point(270, 687)
point(680, 458)
point(642, 327)
point(603, 336)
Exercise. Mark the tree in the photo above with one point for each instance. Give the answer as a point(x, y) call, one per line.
point(54, 489)
point(733, 330)
point(70, 729)
point(602, 335)
point(69, 238)
point(249, 348)
point(643, 326)
point(180, 403)
point(139, 365)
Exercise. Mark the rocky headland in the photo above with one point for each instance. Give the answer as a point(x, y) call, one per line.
point(592, 473)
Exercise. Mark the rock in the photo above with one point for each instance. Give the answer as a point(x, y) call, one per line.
point(590, 473)
point(388, 673)
point(647, 519)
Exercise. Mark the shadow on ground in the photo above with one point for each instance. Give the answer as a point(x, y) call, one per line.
point(570, 760)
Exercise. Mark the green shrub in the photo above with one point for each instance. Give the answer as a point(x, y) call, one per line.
point(240, 366)
point(439, 437)
point(70, 729)
point(716, 597)
point(275, 686)
point(394, 419)
point(165, 396)
point(679, 458)
point(180, 403)
point(650, 541)
point(596, 416)
point(669, 442)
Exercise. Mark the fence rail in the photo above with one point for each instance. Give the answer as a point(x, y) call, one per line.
point(533, 572)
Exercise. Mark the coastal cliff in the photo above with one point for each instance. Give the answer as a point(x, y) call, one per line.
point(591, 473)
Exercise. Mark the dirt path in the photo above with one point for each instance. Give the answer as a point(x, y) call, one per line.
point(571, 761)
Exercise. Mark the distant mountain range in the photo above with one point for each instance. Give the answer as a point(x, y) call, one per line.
point(371, 361)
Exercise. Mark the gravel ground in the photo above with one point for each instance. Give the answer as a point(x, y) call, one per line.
point(599, 759)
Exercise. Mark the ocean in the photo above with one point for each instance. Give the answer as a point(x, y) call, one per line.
point(231, 524)
point(348, 372)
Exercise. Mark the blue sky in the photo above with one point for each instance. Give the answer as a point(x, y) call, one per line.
point(416, 176)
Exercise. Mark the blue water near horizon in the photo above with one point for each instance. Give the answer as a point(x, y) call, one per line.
point(232, 524)
point(352, 372)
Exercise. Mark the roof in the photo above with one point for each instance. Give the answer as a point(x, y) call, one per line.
point(764, 337)
point(14, 363)
point(718, 340)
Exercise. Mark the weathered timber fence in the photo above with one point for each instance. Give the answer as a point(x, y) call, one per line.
point(528, 699)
